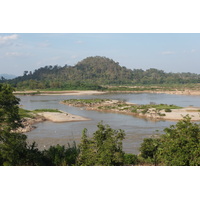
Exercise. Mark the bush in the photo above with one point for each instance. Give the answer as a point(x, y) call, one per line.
point(130, 159)
point(168, 110)
point(178, 147)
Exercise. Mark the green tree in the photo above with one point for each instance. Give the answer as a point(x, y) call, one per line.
point(149, 150)
point(103, 149)
point(61, 156)
point(9, 110)
point(14, 149)
point(178, 147)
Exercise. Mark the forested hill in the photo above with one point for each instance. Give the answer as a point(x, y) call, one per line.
point(94, 71)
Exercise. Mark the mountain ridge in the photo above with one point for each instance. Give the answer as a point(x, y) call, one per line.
point(97, 70)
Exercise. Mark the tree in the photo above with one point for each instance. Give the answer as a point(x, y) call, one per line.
point(178, 147)
point(9, 110)
point(103, 149)
point(61, 156)
point(149, 150)
point(14, 149)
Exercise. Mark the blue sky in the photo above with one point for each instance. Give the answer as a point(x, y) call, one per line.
point(171, 52)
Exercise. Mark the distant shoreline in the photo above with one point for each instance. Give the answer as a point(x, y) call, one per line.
point(66, 92)
point(93, 92)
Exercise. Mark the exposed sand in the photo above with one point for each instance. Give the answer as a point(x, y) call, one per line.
point(62, 117)
point(72, 92)
point(57, 117)
point(178, 114)
point(90, 92)
point(151, 114)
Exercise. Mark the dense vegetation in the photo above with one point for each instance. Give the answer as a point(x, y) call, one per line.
point(179, 146)
point(93, 72)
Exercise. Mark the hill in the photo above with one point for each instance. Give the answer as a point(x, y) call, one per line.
point(92, 72)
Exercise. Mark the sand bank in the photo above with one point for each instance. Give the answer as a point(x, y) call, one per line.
point(149, 112)
point(62, 117)
point(57, 117)
point(178, 114)
point(72, 92)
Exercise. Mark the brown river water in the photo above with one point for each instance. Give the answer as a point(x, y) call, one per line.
point(136, 129)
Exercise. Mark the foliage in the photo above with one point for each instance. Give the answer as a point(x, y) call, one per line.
point(93, 72)
point(103, 149)
point(61, 156)
point(25, 113)
point(9, 110)
point(84, 102)
point(178, 147)
point(47, 110)
point(149, 149)
point(130, 159)
point(14, 151)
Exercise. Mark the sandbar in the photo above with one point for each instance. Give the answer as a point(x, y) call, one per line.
point(67, 92)
point(62, 117)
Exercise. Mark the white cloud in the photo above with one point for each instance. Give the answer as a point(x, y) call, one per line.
point(16, 54)
point(168, 52)
point(8, 38)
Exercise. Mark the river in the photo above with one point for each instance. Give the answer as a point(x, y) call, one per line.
point(136, 129)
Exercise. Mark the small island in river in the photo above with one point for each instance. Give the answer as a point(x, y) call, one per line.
point(29, 118)
point(149, 111)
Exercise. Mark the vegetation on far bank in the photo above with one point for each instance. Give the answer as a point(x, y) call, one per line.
point(92, 73)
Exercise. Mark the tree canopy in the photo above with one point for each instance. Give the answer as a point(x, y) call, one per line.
point(179, 146)
point(92, 72)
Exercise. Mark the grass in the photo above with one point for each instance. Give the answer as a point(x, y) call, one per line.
point(46, 110)
point(25, 113)
point(85, 101)
point(31, 113)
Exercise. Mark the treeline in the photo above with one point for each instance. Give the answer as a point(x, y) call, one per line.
point(179, 146)
point(92, 72)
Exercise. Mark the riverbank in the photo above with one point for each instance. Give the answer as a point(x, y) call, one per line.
point(151, 112)
point(94, 92)
point(67, 92)
point(56, 117)
point(176, 92)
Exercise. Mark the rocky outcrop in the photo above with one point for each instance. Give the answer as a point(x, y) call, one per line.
point(28, 124)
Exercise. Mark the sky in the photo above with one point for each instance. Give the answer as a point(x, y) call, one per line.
point(171, 52)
